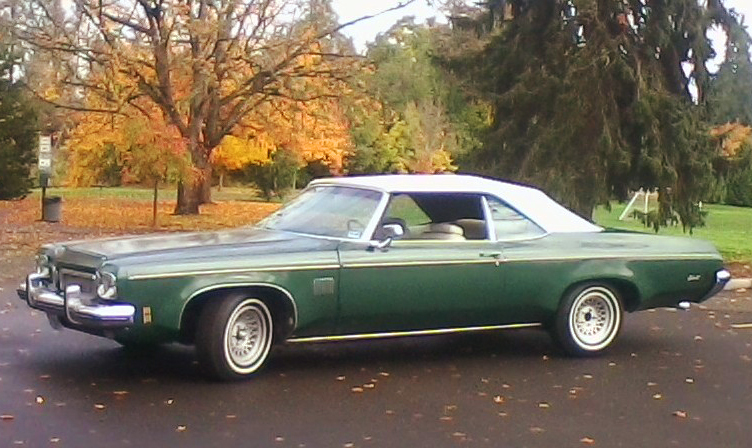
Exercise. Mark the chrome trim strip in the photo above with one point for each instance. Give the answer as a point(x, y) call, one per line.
point(418, 263)
point(490, 228)
point(526, 260)
point(244, 285)
point(395, 334)
point(415, 263)
point(234, 271)
point(79, 274)
point(378, 215)
point(619, 257)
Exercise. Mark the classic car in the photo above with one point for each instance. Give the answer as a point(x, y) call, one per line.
point(372, 257)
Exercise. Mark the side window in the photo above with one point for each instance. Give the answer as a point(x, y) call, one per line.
point(509, 223)
point(403, 208)
point(446, 216)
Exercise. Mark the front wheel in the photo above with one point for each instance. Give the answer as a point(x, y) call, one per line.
point(588, 320)
point(234, 337)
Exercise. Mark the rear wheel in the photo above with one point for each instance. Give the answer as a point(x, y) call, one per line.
point(588, 320)
point(234, 337)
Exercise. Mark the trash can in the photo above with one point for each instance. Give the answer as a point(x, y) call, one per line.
point(52, 208)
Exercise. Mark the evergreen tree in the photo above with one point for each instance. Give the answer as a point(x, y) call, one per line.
point(18, 133)
point(593, 98)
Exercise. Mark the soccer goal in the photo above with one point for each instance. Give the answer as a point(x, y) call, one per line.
point(643, 201)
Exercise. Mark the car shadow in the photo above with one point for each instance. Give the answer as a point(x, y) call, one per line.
point(177, 363)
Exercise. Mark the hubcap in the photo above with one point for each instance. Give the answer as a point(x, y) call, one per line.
point(247, 337)
point(594, 318)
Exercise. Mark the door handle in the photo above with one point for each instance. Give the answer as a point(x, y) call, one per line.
point(497, 256)
point(490, 254)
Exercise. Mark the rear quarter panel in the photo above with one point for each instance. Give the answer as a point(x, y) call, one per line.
point(649, 271)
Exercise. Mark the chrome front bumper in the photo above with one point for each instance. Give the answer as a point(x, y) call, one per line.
point(73, 307)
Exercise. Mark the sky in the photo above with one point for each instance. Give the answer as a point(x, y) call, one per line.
point(367, 30)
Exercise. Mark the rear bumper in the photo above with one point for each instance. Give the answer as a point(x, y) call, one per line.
point(73, 307)
point(722, 277)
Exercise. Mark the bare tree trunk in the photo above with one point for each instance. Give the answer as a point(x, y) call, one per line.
point(191, 190)
point(221, 181)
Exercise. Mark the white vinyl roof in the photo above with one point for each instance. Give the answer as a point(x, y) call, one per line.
point(531, 202)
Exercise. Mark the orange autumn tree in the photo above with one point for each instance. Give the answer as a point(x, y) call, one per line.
point(206, 65)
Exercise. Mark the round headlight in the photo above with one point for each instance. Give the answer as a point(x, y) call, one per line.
point(43, 265)
point(106, 287)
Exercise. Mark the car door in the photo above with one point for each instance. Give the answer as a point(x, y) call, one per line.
point(529, 264)
point(424, 281)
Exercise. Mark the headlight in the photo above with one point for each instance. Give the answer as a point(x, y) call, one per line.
point(106, 287)
point(43, 265)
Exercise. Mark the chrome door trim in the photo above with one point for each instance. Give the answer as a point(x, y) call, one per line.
point(396, 334)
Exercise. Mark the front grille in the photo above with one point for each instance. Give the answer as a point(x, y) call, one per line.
point(86, 280)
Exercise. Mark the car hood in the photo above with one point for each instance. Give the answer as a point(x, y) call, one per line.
point(180, 248)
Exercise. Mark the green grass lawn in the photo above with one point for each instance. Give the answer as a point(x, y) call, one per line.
point(146, 194)
point(729, 228)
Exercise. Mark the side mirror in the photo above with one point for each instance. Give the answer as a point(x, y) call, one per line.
point(387, 234)
point(393, 230)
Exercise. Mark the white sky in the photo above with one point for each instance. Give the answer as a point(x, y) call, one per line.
point(367, 30)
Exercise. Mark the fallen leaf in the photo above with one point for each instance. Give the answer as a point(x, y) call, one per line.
point(446, 418)
point(230, 416)
point(99, 406)
point(369, 386)
point(6, 417)
point(120, 392)
point(587, 440)
point(498, 399)
point(180, 428)
point(341, 378)
point(544, 405)
point(652, 384)
point(459, 434)
point(587, 376)
point(279, 439)
point(348, 445)
point(384, 373)
point(689, 380)
point(657, 396)
point(54, 439)
point(40, 399)
point(537, 429)
point(357, 389)
point(680, 414)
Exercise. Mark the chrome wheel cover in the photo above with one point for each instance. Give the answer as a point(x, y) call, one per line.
point(247, 337)
point(594, 318)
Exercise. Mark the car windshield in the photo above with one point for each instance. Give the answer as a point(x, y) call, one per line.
point(339, 212)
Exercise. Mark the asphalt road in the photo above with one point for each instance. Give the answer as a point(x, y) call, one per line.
point(673, 378)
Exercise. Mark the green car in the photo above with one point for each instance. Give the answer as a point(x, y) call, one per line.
point(372, 257)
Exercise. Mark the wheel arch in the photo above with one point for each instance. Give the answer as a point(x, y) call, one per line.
point(279, 300)
point(627, 291)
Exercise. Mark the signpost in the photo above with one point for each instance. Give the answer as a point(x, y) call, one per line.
point(45, 165)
